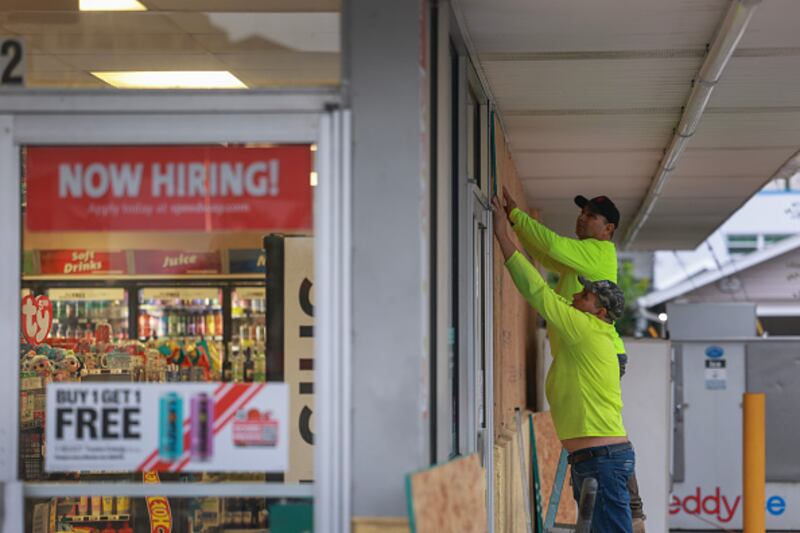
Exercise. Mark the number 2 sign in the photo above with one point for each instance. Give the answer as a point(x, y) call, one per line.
point(12, 64)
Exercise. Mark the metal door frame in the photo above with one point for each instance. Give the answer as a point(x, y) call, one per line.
point(196, 117)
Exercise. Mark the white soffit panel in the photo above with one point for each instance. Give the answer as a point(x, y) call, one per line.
point(619, 84)
point(761, 80)
point(709, 186)
point(725, 162)
point(614, 187)
point(765, 128)
point(579, 25)
point(774, 25)
point(596, 132)
point(585, 164)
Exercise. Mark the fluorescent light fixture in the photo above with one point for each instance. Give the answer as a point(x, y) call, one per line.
point(171, 79)
point(313, 179)
point(111, 5)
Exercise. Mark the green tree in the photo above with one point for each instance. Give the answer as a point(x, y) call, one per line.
point(633, 288)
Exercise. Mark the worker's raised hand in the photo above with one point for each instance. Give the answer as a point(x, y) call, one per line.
point(499, 217)
point(510, 204)
point(502, 228)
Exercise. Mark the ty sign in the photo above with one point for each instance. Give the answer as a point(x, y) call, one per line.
point(37, 318)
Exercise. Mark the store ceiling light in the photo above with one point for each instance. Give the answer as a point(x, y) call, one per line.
point(174, 79)
point(111, 5)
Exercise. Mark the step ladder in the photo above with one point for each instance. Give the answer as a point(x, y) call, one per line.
point(588, 492)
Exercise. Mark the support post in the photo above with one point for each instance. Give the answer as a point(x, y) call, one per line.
point(754, 462)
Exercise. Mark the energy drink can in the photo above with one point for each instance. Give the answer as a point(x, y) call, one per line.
point(202, 423)
point(170, 445)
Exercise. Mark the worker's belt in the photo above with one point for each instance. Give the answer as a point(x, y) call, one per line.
point(585, 454)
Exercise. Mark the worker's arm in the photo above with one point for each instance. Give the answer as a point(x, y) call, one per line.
point(530, 244)
point(555, 309)
point(579, 255)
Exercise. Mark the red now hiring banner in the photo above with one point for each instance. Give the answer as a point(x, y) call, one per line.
point(156, 188)
point(168, 262)
point(82, 262)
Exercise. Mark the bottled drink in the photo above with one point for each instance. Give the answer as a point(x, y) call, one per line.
point(144, 324)
point(260, 373)
point(238, 368)
point(211, 329)
point(154, 324)
point(218, 323)
point(200, 325)
point(249, 366)
point(227, 369)
point(191, 328)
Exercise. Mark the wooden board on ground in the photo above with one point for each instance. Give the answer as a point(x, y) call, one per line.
point(379, 524)
point(548, 450)
point(449, 498)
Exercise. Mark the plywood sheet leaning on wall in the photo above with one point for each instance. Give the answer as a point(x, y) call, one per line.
point(449, 498)
point(521, 477)
point(548, 450)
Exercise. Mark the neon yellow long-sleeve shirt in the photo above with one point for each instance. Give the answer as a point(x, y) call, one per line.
point(590, 258)
point(582, 385)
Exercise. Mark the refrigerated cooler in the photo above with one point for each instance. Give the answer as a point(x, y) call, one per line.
point(78, 311)
point(180, 312)
point(248, 317)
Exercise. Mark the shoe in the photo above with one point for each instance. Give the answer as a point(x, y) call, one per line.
point(638, 525)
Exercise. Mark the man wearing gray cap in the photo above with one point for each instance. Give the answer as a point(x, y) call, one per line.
point(582, 386)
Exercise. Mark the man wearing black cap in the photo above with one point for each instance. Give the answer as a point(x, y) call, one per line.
point(583, 382)
point(592, 255)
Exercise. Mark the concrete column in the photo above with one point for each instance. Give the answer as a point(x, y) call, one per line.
point(387, 91)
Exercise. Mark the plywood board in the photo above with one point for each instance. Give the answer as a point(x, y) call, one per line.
point(512, 336)
point(450, 498)
point(548, 451)
point(378, 524)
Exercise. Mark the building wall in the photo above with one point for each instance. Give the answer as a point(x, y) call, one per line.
point(390, 243)
point(774, 281)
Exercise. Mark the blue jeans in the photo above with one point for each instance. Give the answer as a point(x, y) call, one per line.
point(612, 510)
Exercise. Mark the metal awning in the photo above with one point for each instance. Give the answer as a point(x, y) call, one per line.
point(591, 93)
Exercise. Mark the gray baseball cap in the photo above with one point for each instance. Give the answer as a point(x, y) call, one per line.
point(609, 295)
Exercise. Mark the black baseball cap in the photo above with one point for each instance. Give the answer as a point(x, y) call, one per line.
point(602, 205)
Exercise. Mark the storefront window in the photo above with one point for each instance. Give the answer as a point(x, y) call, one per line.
point(167, 328)
point(174, 44)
